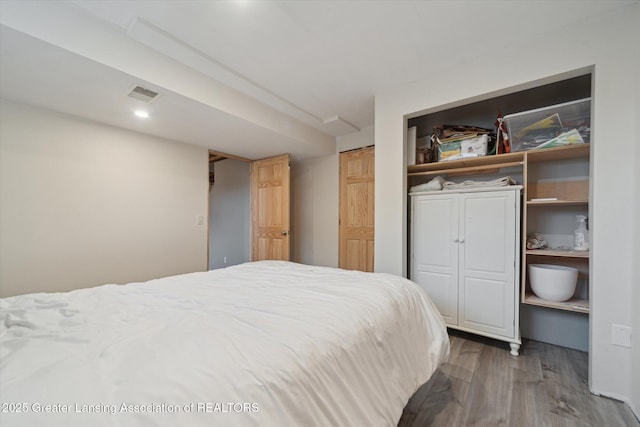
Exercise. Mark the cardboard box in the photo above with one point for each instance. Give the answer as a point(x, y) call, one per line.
point(463, 148)
point(475, 146)
point(449, 151)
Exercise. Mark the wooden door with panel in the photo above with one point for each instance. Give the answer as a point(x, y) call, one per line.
point(356, 240)
point(270, 214)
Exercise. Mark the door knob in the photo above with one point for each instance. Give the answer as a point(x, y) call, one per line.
point(284, 232)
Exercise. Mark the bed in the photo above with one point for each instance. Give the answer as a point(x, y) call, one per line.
point(268, 343)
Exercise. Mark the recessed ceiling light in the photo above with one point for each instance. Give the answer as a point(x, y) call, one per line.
point(141, 113)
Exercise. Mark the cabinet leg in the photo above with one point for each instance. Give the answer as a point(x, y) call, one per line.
point(514, 349)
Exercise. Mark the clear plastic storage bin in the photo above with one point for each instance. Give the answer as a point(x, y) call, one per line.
point(557, 125)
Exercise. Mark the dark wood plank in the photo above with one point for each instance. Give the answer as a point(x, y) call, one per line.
point(444, 405)
point(463, 357)
point(483, 385)
point(490, 391)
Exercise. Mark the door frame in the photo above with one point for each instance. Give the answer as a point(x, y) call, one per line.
point(216, 156)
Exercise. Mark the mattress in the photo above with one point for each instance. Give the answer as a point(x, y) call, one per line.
point(268, 343)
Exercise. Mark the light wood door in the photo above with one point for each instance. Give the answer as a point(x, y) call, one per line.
point(357, 209)
point(270, 227)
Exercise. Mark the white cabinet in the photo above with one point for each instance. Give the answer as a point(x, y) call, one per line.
point(465, 254)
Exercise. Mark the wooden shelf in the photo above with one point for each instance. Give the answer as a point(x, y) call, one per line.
point(558, 253)
point(499, 161)
point(467, 170)
point(556, 202)
point(495, 161)
point(577, 305)
point(558, 192)
point(553, 194)
point(558, 153)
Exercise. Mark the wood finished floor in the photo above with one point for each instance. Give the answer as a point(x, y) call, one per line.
point(482, 385)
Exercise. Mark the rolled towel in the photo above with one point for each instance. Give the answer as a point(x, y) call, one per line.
point(434, 185)
point(499, 182)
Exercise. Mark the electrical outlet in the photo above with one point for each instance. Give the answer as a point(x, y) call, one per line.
point(200, 220)
point(621, 335)
point(224, 260)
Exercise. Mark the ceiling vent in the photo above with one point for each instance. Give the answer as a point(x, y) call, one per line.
point(143, 94)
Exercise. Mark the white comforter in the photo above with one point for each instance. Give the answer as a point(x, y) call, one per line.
point(259, 344)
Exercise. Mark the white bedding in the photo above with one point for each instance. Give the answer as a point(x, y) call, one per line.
point(260, 344)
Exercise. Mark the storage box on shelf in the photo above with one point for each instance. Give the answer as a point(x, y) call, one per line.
point(463, 148)
point(569, 122)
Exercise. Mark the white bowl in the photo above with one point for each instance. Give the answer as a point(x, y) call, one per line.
point(553, 282)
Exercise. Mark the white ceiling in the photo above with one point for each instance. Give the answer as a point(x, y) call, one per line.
point(254, 78)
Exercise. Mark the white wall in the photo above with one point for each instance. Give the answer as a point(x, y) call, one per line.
point(610, 43)
point(230, 214)
point(635, 302)
point(314, 196)
point(315, 199)
point(85, 204)
point(363, 138)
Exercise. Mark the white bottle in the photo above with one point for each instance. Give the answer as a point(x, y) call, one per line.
point(581, 234)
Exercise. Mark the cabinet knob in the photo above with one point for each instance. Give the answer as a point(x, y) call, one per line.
point(461, 240)
point(456, 241)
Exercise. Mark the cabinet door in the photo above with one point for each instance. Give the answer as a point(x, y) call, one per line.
point(487, 261)
point(435, 251)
